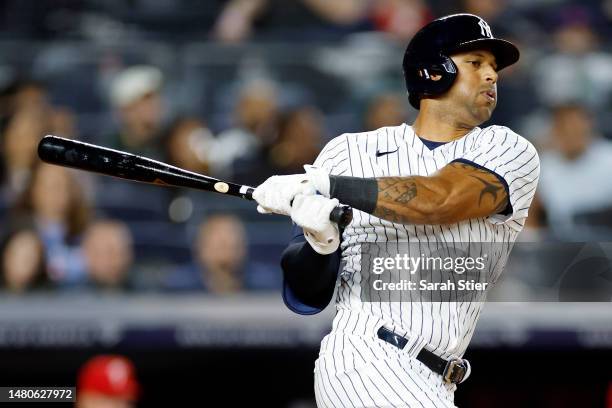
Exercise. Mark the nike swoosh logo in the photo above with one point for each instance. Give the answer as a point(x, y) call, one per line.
point(378, 154)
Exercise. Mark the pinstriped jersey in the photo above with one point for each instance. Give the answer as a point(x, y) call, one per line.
point(443, 327)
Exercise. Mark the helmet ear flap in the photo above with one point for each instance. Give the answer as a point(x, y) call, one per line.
point(428, 78)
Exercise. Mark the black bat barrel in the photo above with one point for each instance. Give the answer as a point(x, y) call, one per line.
point(102, 160)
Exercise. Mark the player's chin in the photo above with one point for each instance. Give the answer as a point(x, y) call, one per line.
point(486, 103)
point(483, 113)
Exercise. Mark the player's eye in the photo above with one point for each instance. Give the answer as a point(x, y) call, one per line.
point(475, 64)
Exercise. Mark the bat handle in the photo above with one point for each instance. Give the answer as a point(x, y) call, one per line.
point(341, 215)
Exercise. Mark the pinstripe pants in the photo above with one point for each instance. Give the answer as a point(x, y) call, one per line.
point(353, 371)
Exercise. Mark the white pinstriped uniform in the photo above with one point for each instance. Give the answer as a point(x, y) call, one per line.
point(357, 369)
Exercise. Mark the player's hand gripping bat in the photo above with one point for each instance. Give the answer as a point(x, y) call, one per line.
point(98, 159)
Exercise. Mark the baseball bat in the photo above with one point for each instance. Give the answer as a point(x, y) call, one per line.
point(110, 162)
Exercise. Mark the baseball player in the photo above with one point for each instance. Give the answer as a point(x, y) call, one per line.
point(441, 179)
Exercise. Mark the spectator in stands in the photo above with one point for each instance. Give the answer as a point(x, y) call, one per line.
point(20, 94)
point(505, 17)
point(24, 111)
point(300, 135)
point(136, 96)
point(296, 19)
point(108, 255)
point(188, 143)
point(220, 252)
point(400, 19)
point(536, 225)
point(320, 19)
point(27, 116)
point(220, 263)
point(576, 168)
point(244, 147)
point(582, 70)
point(20, 140)
point(55, 203)
point(386, 109)
point(23, 261)
point(63, 122)
point(107, 381)
point(488, 10)
point(235, 23)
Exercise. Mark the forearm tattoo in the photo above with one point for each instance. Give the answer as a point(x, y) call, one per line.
point(397, 199)
point(394, 190)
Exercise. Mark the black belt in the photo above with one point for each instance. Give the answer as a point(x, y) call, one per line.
point(452, 371)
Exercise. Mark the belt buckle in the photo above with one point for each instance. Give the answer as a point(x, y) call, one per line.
point(454, 371)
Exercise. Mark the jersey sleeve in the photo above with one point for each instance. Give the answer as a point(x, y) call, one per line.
point(334, 156)
point(515, 161)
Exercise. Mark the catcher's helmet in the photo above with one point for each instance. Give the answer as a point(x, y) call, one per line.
point(429, 51)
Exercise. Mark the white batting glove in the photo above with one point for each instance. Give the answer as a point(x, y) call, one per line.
point(319, 178)
point(276, 193)
point(311, 212)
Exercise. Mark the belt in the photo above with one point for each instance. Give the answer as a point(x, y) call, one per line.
point(452, 371)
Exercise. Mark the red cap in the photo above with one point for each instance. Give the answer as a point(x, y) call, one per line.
point(110, 375)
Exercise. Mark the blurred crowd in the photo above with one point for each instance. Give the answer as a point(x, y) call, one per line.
point(245, 89)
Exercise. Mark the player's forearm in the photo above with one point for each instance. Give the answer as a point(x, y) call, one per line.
point(414, 200)
point(444, 198)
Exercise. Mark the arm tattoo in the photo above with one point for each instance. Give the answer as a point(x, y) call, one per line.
point(399, 190)
point(420, 200)
point(390, 215)
point(493, 189)
point(503, 204)
point(489, 188)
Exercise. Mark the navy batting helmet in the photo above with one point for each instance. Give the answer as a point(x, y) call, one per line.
point(430, 49)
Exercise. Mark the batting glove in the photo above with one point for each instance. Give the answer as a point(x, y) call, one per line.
point(319, 178)
point(311, 212)
point(277, 192)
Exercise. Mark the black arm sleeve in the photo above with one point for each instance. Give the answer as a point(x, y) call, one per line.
point(310, 276)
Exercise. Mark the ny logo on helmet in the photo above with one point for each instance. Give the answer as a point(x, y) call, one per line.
point(485, 30)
